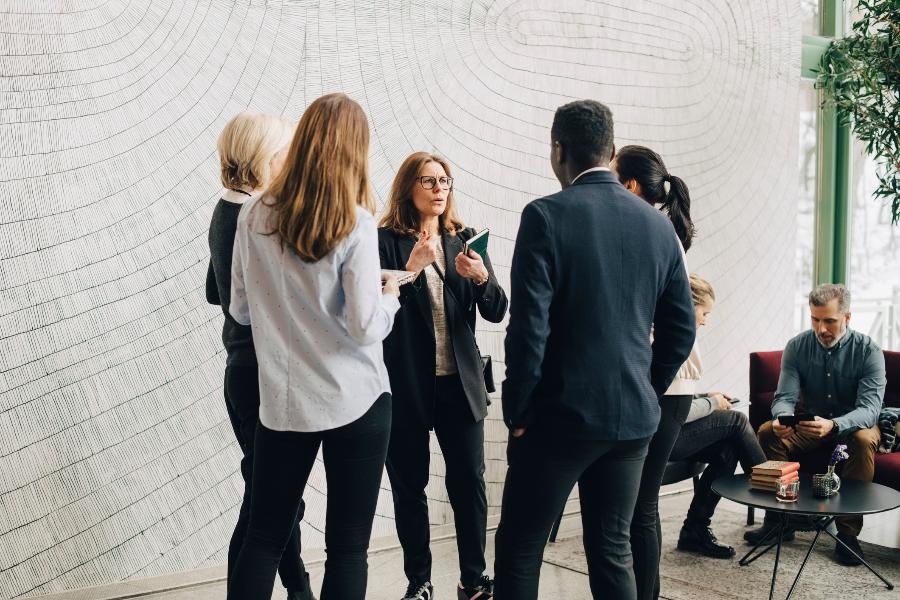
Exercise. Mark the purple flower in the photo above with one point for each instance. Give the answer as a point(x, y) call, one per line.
point(839, 454)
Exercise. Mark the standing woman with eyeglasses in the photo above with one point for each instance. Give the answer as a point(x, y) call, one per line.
point(306, 278)
point(436, 370)
point(643, 173)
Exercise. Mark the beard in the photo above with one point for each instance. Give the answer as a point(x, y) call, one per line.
point(833, 341)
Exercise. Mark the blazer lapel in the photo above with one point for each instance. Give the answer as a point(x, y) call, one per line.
point(405, 246)
point(452, 280)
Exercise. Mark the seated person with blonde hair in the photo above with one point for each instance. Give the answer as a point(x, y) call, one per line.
point(713, 433)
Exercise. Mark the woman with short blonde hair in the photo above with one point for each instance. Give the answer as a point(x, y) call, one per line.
point(306, 278)
point(437, 373)
point(251, 149)
point(247, 147)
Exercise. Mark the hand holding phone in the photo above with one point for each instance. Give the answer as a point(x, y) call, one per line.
point(792, 420)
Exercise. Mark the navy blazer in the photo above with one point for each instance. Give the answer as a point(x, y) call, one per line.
point(594, 269)
point(409, 351)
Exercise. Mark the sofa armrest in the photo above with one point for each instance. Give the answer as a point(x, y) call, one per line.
point(765, 367)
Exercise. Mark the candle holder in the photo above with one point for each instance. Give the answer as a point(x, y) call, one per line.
point(826, 484)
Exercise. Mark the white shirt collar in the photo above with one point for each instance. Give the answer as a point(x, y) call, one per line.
point(238, 197)
point(592, 169)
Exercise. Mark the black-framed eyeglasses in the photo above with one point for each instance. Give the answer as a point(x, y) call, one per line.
point(429, 181)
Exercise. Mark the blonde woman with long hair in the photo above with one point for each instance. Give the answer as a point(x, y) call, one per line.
point(306, 277)
point(251, 150)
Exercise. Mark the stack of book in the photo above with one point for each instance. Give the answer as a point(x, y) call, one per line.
point(769, 474)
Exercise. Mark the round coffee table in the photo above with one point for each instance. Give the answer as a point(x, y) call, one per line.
point(855, 498)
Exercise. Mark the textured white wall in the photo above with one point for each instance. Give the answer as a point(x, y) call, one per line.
point(116, 456)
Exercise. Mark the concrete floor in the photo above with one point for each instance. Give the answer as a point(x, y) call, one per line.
point(563, 575)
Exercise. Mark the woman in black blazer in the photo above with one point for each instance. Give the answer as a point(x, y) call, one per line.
point(436, 369)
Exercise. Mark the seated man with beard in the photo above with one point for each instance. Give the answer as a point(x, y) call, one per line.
point(841, 376)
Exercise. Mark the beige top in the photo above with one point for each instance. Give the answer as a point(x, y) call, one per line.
point(445, 361)
point(688, 377)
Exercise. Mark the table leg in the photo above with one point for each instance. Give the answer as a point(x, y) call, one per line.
point(783, 521)
point(746, 560)
point(819, 529)
point(889, 585)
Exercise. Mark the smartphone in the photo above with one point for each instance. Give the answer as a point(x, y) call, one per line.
point(735, 400)
point(791, 420)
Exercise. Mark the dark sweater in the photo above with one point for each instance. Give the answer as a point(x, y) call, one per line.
point(237, 338)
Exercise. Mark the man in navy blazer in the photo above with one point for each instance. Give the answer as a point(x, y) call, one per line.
point(600, 321)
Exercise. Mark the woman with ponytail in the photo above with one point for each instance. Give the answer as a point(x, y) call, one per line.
point(642, 172)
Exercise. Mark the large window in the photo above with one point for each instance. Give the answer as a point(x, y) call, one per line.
point(874, 254)
point(862, 246)
point(809, 13)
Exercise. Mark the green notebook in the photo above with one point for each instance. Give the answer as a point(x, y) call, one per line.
point(479, 243)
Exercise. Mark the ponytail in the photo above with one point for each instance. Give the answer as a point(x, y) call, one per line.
point(646, 167)
point(677, 205)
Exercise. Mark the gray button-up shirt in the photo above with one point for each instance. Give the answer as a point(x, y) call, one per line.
point(844, 383)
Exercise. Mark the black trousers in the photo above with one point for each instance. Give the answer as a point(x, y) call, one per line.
point(242, 403)
point(542, 472)
point(462, 443)
point(646, 529)
point(354, 461)
point(721, 440)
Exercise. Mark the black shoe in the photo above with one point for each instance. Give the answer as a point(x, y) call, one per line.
point(768, 530)
point(305, 593)
point(419, 591)
point(703, 541)
point(482, 590)
point(844, 556)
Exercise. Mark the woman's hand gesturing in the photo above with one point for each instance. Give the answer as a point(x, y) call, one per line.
point(423, 253)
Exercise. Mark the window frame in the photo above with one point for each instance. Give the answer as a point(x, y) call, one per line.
point(834, 158)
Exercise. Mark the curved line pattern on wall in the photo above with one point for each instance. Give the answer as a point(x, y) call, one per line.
point(117, 459)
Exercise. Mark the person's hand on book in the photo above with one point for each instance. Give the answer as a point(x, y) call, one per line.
point(423, 253)
point(818, 428)
point(390, 285)
point(472, 267)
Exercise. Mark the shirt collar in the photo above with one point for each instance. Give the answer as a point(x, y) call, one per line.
point(238, 196)
point(591, 170)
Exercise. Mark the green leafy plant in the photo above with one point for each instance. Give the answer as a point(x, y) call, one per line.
point(860, 75)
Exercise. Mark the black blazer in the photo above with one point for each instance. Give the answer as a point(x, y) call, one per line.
point(594, 268)
point(409, 351)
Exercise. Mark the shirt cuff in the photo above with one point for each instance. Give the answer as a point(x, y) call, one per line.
point(390, 302)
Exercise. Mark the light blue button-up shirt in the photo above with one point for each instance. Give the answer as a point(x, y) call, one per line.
point(317, 327)
point(844, 383)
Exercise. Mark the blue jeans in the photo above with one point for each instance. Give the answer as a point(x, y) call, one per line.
point(354, 461)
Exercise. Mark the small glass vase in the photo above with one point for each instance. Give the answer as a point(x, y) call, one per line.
point(826, 484)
